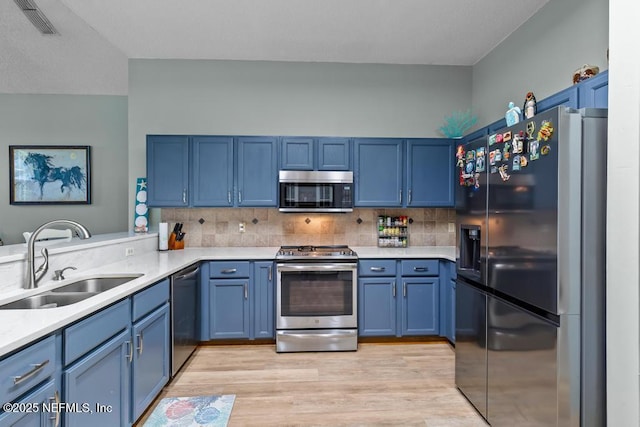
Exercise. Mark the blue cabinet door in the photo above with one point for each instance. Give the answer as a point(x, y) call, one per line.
point(101, 379)
point(430, 173)
point(150, 370)
point(420, 306)
point(263, 296)
point(297, 153)
point(257, 171)
point(46, 394)
point(229, 308)
point(334, 154)
point(378, 172)
point(167, 170)
point(377, 306)
point(212, 171)
point(567, 97)
point(594, 92)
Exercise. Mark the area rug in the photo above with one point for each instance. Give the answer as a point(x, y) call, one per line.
point(213, 411)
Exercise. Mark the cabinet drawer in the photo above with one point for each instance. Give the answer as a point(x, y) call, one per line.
point(146, 301)
point(377, 267)
point(89, 333)
point(228, 269)
point(27, 368)
point(420, 267)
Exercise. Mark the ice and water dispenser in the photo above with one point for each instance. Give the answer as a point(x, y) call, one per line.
point(470, 249)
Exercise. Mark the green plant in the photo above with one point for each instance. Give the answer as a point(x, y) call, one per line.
point(458, 123)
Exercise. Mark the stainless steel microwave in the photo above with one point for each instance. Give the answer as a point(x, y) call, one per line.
point(316, 191)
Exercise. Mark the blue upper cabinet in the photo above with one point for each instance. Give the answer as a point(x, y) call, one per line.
point(567, 97)
point(297, 153)
point(378, 172)
point(322, 153)
point(212, 171)
point(334, 154)
point(430, 172)
point(257, 178)
point(594, 92)
point(168, 170)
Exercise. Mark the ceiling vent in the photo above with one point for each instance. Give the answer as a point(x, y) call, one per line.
point(36, 16)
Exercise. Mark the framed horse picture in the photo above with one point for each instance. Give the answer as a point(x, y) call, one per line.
point(50, 174)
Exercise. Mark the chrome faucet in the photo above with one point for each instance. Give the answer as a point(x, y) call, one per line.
point(33, 275)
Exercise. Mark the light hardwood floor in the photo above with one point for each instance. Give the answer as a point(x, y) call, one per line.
point(380, 384)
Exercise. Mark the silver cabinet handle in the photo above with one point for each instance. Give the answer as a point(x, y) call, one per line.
point(420, 269)
point(35, 369)
point(140, 343)
point(55, 418)
point(409, 201)
point(270, 277)
point(246, 291)
point(377, 269)
point(130, 351)
point(400, 196)
point(229, 270)
point(404, 289)
point(229, 197)
point(188, 275)
point(393, 288)
point(239, 196)
point(184, 196)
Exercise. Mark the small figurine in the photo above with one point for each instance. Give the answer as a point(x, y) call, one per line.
point(513, 114)
point(530, 107)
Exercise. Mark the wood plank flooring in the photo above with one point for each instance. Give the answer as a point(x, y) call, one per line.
point(380, 384)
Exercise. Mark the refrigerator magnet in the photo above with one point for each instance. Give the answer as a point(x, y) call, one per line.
point(498, 155)
point(494, 169)
point(499, 138)
point(531, 128)
point(545, 149)
point(492, 157)
point(470, 167)
point(480, 159)
point(506, 136)
point(523, 161)
point(492, 139)
point(503, 172)
point(518, 142)
point(516, 163)
point(533, 149)
point(505, 151)
point(546, 130)
point(476, 181)
point(471, 155)
point(460, 156)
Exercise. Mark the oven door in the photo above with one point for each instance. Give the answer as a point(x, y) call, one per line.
point(316, 295)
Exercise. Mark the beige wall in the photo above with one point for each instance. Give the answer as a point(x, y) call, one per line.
point(430, 227)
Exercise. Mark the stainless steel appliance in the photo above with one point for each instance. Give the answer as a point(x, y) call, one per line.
point(316, 299)
point(184, 314)
point(530, 291)
point(316, 191)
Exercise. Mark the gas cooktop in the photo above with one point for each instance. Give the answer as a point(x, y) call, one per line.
point(336, 252)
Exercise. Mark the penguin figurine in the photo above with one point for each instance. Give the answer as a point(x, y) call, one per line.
point(530, 108)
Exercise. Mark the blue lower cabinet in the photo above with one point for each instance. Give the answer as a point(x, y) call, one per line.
point(263, 300)
point(420, 306)
point(150, 366)
point(377, 306)
point(42, 396)
point(99, 384)
point(229, 308)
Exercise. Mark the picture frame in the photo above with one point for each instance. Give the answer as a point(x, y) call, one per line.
point(50, 174)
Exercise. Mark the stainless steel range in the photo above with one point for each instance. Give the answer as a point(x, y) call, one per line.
point(316, 299)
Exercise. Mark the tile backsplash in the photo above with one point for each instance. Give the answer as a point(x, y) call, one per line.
point(269, 227)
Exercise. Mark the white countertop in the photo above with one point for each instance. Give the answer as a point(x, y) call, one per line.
point(20, 327)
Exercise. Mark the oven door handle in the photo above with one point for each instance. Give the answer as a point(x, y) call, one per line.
point(329, 268)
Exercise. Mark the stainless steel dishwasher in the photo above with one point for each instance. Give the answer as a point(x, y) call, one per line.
point(184, 314)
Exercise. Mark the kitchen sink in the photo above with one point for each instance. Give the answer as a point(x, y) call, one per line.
point(47, 300)
point(96, 284)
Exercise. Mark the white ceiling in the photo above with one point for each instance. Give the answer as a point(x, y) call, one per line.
point(99, 35)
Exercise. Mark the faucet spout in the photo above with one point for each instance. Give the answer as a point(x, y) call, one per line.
point(33, 276)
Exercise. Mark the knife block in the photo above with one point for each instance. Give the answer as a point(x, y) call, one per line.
point(179, 244)
point(172, 241)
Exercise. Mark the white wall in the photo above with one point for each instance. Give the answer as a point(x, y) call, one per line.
point(541, 56)
point(98, 121)
point(623, 297)
point(287, 98)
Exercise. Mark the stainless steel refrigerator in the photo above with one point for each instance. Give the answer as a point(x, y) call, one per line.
point(530, 291)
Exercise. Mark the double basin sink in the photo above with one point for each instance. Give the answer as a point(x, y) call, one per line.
point(71, 293)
